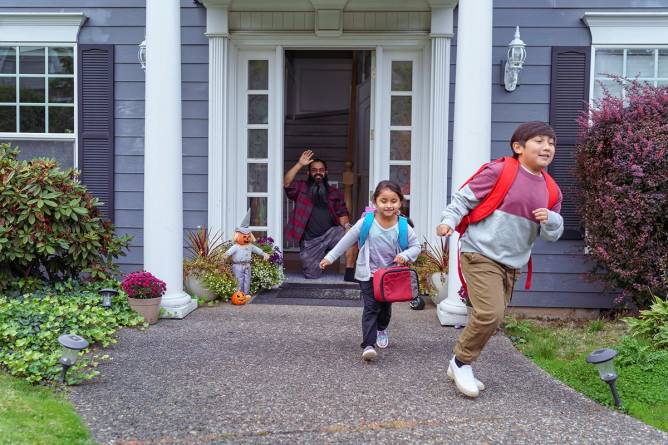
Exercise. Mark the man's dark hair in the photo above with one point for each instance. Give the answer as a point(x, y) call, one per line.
point(530, 130)
point(319, 192)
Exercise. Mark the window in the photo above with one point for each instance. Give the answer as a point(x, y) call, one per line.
point(37, 101)
point(645, 64)
point(38, 83)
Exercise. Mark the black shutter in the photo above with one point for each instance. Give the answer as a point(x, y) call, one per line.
point(96, 123)
point(569, 92)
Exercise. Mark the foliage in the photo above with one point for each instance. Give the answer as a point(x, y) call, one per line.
point(266, 274)
point(143, 285)
point(622, 169)
point(437, 254)
point(202, 244)
point(50, 227)
point(216, 274)
point(30, 327)
point(32, 415)
point(652, 324)
point(561, 349)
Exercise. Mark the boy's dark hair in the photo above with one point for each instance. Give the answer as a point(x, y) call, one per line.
point(530, 130)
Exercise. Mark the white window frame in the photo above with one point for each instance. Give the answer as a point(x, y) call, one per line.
point(46, 30)
point(625, 30)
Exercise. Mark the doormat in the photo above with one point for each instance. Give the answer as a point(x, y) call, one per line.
point(342, 295)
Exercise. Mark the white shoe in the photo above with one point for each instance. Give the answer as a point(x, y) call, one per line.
point(369, 354)
point(382, 339)
point(478, 383)
point(464, 380)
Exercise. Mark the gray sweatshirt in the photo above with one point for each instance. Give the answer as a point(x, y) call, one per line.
point(379, 243)
point(508, 234)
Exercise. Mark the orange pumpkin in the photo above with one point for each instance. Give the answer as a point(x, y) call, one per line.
point(239, 298)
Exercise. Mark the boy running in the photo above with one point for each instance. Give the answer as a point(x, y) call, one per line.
point(493, 250)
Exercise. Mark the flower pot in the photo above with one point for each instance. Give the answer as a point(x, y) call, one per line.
point(149, 308)
point(440, 282)
point(196, 288)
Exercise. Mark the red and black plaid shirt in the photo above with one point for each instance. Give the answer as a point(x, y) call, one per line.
point(299, 193)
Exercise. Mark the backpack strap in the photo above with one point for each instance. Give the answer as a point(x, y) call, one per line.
point(403, 233)
point(366, 227)
point(368, 222)
point(495, 197)
point(552, 190)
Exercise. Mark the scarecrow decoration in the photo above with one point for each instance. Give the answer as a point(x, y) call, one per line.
point(240, 253)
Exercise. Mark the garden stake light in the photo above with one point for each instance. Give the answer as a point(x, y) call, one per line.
point(71, 344)
point(602, 359)
point(107, 296)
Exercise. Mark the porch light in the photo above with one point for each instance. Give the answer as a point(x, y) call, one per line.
point(516, 56)
point(107, 296)
point(141, 54)
point(72, 344)
point(602, 359)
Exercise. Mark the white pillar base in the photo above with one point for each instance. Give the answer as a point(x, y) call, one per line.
point(452, 313)
point(177, 305)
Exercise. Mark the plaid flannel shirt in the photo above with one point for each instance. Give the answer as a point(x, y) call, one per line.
point(299, 193)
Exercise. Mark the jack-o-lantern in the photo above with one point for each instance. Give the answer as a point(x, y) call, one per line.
point(239, 298)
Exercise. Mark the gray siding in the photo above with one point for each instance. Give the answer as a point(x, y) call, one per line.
point(559, 268)
point(121, 23)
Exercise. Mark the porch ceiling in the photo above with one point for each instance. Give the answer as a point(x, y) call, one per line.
point(346, 5)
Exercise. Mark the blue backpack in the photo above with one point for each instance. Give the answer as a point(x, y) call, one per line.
point(368, 222)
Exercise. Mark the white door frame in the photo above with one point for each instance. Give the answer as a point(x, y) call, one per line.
point(235, 181)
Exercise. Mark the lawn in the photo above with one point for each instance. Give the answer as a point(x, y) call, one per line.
point(560, 348)
point(36, 415)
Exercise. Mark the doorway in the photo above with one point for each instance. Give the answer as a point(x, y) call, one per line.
point(327, 109)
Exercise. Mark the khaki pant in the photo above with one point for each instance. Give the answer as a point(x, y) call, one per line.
point(490, 287)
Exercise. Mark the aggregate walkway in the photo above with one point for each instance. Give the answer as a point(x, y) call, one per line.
point(293, 375)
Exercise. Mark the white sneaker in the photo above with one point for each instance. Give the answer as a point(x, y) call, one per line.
point(478, 383)
point(464, 380)
point(382, 339)
point(369, 354)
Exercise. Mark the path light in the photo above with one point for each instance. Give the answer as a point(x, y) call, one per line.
point(107, 296)
point(72, 344)
point(602, 359)
point(516, 56)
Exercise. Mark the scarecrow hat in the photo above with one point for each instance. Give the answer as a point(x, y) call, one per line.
point(243, 227)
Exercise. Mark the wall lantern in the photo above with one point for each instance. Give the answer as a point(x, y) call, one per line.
point(107, 297)
point(516, 56)
point(141, 54)
point(72, 344)
point(602, 359)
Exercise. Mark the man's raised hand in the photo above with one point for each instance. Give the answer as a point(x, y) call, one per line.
point(306, 158)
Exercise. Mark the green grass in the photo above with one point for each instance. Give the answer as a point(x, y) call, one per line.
point(560, 348)
point(36, 415)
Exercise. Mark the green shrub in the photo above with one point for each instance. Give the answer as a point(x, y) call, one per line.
point(50, 226)
point(31, 324)
point(652, 323)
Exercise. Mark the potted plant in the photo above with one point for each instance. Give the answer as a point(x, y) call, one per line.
point(436, 258)
point(144, 292)
point(205, 249)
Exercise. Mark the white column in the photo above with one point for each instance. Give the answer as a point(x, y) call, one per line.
point(437, 178)
point(217, 199)
point(472, 123)
point(163, 196)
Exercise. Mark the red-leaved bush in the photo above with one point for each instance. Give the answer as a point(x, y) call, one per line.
point(622, 168)
point(143, 285)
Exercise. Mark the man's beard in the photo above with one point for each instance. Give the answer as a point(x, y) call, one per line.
point(319, 189)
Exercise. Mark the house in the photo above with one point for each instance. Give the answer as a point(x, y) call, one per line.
point(233, 90)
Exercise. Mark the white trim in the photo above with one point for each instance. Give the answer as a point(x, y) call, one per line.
point(29, 27)
point(217, 149)
point(627, 28)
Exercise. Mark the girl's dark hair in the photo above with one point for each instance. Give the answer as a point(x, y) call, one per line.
point(391, 186)
point(530, 130)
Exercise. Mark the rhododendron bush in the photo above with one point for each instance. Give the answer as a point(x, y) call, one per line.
point(622, 168)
